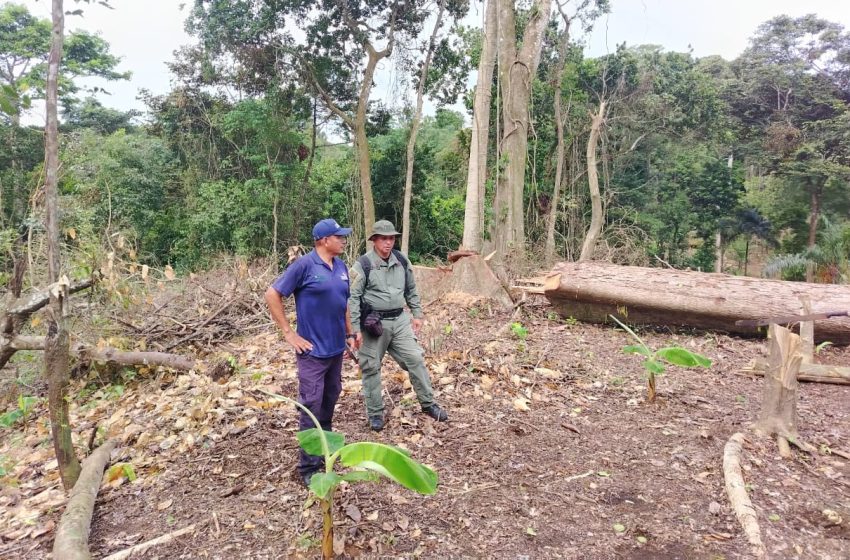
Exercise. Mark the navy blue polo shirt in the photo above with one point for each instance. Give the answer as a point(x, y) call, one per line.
point(321, 298)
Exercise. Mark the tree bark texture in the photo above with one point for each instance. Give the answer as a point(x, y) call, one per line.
point(516, 74)
point(779, 405)
point(414, 130)
point(555, 204)
point(476, 178)
point(72, 534)
point(595, 228)
point(590, 291)
point(56, 345)
point(737, 492)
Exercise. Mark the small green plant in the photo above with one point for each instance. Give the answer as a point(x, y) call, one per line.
point(519, 331)
point(474, 312)
point(25, 406)
point(822, 345)
point(447, 330)
point(367, 458)
point(654, 362)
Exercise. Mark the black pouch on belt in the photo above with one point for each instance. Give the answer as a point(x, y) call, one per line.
point(370, 321)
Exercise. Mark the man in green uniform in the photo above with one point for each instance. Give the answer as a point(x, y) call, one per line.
point(387, 285)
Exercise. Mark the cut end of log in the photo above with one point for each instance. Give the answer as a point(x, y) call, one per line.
point(552, 282)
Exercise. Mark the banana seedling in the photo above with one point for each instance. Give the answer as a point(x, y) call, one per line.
point(654, 362)
point(369, 460)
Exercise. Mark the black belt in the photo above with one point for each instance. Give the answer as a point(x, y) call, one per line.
point(389, 313)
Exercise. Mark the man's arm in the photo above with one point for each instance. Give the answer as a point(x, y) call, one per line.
point(358, 286)
point(278, 312)
point(413, 301)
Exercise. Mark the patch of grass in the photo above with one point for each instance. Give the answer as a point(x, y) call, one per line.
point(519, 331)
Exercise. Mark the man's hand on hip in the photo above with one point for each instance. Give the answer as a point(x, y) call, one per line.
point(300, 345)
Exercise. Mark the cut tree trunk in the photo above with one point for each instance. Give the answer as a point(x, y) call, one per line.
point(779, 405)
point(590, 291)
point(72, 535)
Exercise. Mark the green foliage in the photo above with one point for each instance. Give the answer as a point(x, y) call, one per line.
point(368, 458)
point(654, 362)
point(25, 406)
point(519, 331)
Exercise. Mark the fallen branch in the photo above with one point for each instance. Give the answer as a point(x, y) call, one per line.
point(72, 534)
point(815, 373)
point(737, 492)
point(25, 307)
point(141, 547)
point(108, 354)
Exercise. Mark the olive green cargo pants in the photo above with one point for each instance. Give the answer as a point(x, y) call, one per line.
point(398, 339)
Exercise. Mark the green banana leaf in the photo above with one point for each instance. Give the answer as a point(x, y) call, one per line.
point(681, 357)
point(322, 483)
point(391, 463)
point(311, 441)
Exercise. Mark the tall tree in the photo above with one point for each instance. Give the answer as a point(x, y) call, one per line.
point(473, 219)
point(337, 53)
point(25, 42)
point(414, 126)
point(794, 101)
point(56, 348)
point(517, 69)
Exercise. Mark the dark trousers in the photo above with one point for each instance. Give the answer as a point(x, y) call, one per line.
point(319, 386)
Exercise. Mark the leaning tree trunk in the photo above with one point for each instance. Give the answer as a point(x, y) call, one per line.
point(516, 74)
point(590, 291)
point(595, 228)
point(414, 131)
point(56, 361)
point(557, 78)
point(473, 217)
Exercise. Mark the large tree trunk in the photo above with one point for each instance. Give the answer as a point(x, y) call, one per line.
point(557, 78)
point(473, 217)
point(590, 291)
point(595, 228)
point(56, 345)
point(414, 131)
point(516, 75)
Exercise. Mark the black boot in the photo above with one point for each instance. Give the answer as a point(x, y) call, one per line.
point(435, 412)
point(376, 423)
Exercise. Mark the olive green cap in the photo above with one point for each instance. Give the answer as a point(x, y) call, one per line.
point(383, 227)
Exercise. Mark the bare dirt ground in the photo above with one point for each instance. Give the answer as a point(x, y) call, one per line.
point(550, 452)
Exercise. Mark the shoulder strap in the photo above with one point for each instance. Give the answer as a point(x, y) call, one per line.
point(366, 265)
point(406, 264)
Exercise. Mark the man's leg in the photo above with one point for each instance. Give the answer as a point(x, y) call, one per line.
point(332, 389)
point(405, 350)
point(311, 387)
point(370, 356)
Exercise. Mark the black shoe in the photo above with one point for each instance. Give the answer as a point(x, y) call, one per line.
point(376, 423)
point(435, 412)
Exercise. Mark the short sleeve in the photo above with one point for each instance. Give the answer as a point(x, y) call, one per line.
point(290, 280)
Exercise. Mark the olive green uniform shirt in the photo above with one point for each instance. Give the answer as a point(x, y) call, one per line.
point(387, 282)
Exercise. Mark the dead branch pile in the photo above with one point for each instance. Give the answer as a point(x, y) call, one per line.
point(207, 310)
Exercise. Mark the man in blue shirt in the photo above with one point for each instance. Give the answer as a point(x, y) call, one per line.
point(319, 281)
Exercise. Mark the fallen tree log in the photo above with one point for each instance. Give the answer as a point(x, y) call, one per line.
point(590, 291)
point(106, 355)
point(815, 373)
point(72, 534)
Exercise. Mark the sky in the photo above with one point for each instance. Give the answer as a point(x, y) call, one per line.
point(145, 33)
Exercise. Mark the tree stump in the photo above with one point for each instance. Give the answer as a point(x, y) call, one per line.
point(779, 407)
